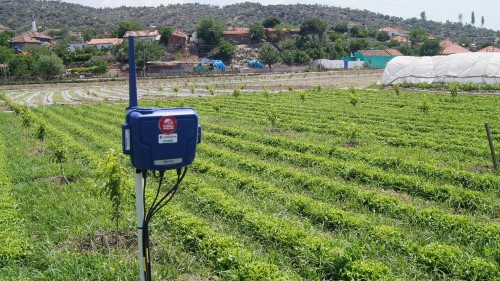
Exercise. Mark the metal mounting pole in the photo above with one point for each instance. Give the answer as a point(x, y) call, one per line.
point(492, 149)
point(139, 202)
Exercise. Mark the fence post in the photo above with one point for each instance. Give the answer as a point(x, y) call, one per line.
point(492, 149)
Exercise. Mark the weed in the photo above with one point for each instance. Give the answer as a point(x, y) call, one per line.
point(395, 87)
point(302, 96)
point(318, 87)
point(353, 100)
point(272, 116)
point(236, 92)
point(352, 89)
point(425, 106)
point(265, 92)
point(453, 88)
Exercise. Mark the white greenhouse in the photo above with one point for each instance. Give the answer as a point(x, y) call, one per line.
point(478, 68)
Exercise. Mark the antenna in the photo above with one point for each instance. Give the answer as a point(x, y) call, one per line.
point(132, 83)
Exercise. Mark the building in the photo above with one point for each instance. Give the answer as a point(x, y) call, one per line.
point(281, 34)
point(30, 38)
point(4, 28)
point(376, 58)
point(171, 67)
point(401, 40)
point(106, 43)
point(238, 35)
point(490, 49)
point(446, 43)
point(77, 44)
point(454, 49)
point(394, 31)
point(178, 38)
point(149, 35)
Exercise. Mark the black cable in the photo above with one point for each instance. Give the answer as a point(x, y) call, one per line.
point(174, 189)
point(153, 209)
point(161, 203)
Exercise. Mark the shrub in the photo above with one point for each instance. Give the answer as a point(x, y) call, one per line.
point(441, 258)
point(265, 92)
point(272, 116)
point(318, 87)
point(453, 88)
point(236, 92)
point(425, 106)
point(353, 100)
point(302, 96)
point(395, 87)
point(114, 175)
point(59, 156)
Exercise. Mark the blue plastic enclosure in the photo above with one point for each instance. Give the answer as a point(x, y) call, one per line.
point(161, 139)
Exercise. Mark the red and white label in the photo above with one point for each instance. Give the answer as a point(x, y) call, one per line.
point(167, 124)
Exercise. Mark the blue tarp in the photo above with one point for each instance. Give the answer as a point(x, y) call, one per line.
point(217, 63)
point(255, 64)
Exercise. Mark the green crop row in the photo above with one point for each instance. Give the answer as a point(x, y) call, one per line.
point(463, 178)
point(455, 197)
point(462, 228)
point(13, 242)
point(396, 138)
point(275, 231)
point(225, 254)
point(383, 201)
point(306, 249)
point(392, 121)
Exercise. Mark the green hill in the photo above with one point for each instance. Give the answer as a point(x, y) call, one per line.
point(74, 17)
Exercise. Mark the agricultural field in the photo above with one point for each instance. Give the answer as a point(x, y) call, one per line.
point(297, 183)
point(116, 91)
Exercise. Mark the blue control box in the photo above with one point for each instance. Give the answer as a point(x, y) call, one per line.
point(161, 139)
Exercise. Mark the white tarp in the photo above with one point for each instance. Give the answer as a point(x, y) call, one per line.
point(336, 64)
point(463, 68)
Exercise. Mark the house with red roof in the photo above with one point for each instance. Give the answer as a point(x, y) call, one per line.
point(446, 43)
point(394, 31)
point(454, 49)
point(104, 43)
point(178, 38)
point(401, 40)
point(377, 58)
point(149, 35)
point(490, 49)
point(237, 35)
point(30, 38)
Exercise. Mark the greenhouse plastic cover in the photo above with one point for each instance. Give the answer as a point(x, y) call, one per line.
point(463, 68)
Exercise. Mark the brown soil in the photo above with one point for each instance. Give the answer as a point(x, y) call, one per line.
point(111, 240)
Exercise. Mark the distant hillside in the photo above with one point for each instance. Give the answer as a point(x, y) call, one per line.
point(74, 17)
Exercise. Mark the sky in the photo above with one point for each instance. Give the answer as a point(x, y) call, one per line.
point(436, 10)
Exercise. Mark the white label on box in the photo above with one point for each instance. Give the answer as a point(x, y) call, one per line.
point(163, 138)
point(127, 139)
point(168, 161)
